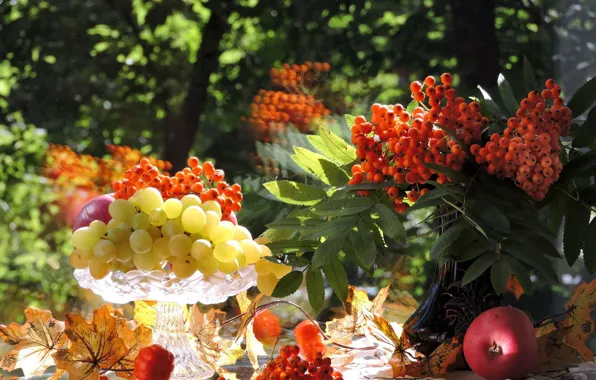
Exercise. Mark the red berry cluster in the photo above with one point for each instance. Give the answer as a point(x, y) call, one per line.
point(395, 144)
point(298, 75)
point(272, 110)
point(187, 181)
point(289, 365)
point(528, 150)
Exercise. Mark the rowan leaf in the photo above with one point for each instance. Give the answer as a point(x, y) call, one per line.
point(553, 353)
point(34, 342)
point(94, 346)
point(295, 193)
point(446, 358)
point(337, 147)
point(580, 305)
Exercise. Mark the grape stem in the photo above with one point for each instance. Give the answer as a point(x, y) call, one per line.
point(264, 307)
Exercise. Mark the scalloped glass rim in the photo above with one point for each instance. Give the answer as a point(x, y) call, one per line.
point(159, 285)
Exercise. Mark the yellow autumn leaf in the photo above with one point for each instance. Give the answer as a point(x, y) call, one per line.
point(34, 342)
point(580, 305)
point(145, 313)
point(254, 348)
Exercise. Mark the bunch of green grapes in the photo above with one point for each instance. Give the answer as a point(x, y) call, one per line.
point(185, 235)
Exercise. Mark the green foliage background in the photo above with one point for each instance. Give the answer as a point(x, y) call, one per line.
point(174, 77)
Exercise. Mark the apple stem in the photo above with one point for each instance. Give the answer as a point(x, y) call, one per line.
point(495, 349)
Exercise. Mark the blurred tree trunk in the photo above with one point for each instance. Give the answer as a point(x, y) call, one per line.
point(181, 129)
point(475, 42)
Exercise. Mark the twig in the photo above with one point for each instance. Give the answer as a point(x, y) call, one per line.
point(262, 308)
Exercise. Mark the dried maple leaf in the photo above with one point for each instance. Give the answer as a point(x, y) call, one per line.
point(135, 338)
point(212, 349)
point(514, 287)
point(553, 353)
point(93, 346)
point(545, 328)
point(445, 358)
point(254, 348)
point(580, 305)
point(357, 306)
point(145, 313)
point(35, 342)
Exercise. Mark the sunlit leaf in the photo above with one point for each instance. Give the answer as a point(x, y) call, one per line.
point(93, 347)
point(580, 305)
point(553, 353)
point(448, 357)
point(254, 348)
point(295, 193)
point(34, 342)
point(145, 313)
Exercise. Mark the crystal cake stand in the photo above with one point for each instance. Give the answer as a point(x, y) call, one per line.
point(172, 294)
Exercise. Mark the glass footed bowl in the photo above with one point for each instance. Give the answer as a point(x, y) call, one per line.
point(172, 294)
point(160, 285)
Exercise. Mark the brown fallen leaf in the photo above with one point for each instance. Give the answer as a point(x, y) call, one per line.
point(448, 357)
point(93, 346)
point(35, 342)
point(580, 305)
point(135, 337)
point(553, 353)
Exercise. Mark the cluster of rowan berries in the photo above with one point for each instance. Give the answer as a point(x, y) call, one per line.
point(305, 74)
point(528, 150)
point(272, 110)
point(289, 365)
point(396, 144)
point(187, 181)
point(69, 169)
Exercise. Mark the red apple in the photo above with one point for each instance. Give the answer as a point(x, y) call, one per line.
point(500, 344)
point(231, 218)
point(97, 209)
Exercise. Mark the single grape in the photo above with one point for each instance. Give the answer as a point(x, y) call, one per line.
point(266, 283)
point(124, 252)
point(207, 265)
point(145, 261)
point(241, 233)
point(201, 249)
point(224, 231)
point(211, 221)
point(228, 267)
point(265, 251)
point(193, 219)
point(160, 247)
point(171, 228)
point(114, 223)
point(80, 259)
point(241, 259)
point(85, 238)
point(251, 250)
point(122, 210)
point(184, 267)
point(158, 217)
point(212, 206)
point(190, 200)
point(196, 236)
point(179, 245)
point(140, 241)
point(116, 235)
point(155, 232)
point(149, 199)
point(118, 266)
point(100, 227)
point(125, 226)
point(98, 269)
point(172, 207)
point(140, 221)
point(104, 251)
point(226, 251)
